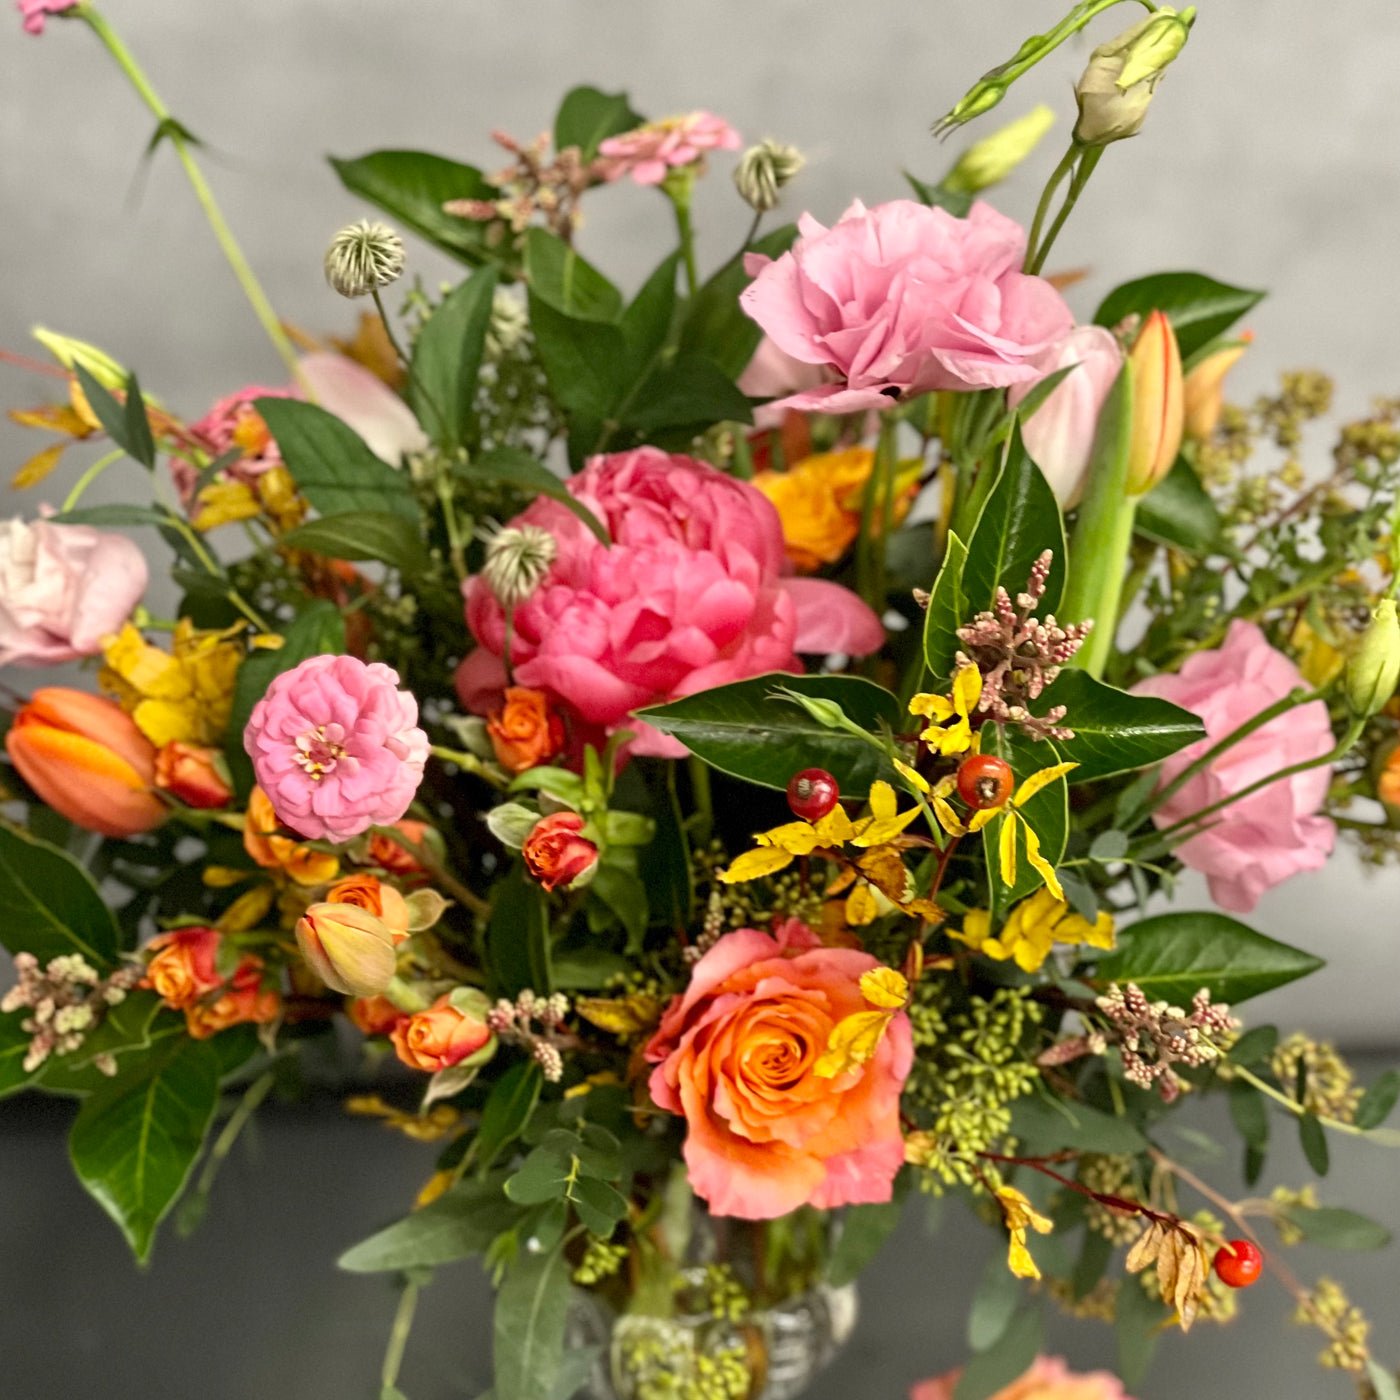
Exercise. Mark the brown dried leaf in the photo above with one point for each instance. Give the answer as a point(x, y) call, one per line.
point(1169, 1264)
point(37, 467)
point(623, 1016)
point(882, 866)
point(1145, 1250)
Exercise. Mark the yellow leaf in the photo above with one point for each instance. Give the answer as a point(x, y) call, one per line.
point(1039, 781)
point(1018, 1257)
point(967, 689)
point(937, 707)
point(948, 818)
point(840, 882)
point(980, 819)
point(37, 467)
point(796, 838)
point(1038, 861)
point(57, 417)
point(879, 831)
point(885, 988)
point(755, 864)
point(629, 1015)
point(433, 1188)
point(835, 828)
point(911, 775)
point(1006, 849)
point(852, 1043)
point(861, 907)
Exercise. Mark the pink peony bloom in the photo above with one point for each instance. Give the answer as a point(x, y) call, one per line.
point(736, 1054)
point(689, 596)
point(336, 747)
point(1261, 840)
point(1048, 1379)
point(34, 12)
point(902, 299)
point(650, 152)
point(1059, 435)
point(63, 588)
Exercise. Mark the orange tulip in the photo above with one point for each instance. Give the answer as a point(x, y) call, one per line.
point(1158, 404)
point(348, 948)
point(1204, 389)
point(87, 759)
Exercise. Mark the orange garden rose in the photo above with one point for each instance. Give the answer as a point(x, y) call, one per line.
point(738, 1055)
point(305, 866)
point(439, 1037)
point(193, 775)
point(183, 972)
point(527, 731)
point(370, 892)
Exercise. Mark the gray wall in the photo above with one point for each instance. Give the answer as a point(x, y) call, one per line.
point(1269, 159)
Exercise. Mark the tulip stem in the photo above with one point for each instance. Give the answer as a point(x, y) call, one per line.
point(170, 129)
point(398, 1336)
point(88, 477)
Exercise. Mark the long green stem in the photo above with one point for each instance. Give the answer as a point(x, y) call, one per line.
point(1087, 161)
point(89, 476)
point(238, 1120)
point(172, 131)
point(398, 1336)
point(1047, 195)
point(1388, 1137)
point(679, 192)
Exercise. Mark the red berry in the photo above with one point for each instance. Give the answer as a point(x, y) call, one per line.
point(812, 794)
point(1239, 1264)
point(984, 780)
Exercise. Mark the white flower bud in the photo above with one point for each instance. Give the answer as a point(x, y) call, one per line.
point(363, 257)
point(763, 170)
point(517, 559)
point(1116, 89)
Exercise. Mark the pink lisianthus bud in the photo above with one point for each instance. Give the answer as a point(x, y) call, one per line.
point(903, 299)
point(555, 854)
point(1059, 435)
point(348, 948)
point(1158, 404)
point(34, 12)
point(1259, 841)
point(336, 747)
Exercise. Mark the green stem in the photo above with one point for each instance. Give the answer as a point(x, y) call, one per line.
point(1089, 158)
point(680, 202)
point(701, 794)
point(1389, 1138)
point(238, 1120)
point(171, 130)
point(470, 763)
point(89, 476)
point(1047, 195)
point(398, 1336)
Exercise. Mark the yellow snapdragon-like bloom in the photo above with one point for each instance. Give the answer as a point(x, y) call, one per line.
point(184, 694)
point(941, 736)
point(1021, 1216)
point(1032, 928)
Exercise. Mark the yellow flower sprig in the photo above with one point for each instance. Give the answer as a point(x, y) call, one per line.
point(855, 1038)
point(1032, 928)
point(941, 736)
point(1021, 1216)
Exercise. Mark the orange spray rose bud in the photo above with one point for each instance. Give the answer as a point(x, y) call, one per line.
point(87, 759)
point(370, 892)
point(1203, 389)
point(193, 774)
point(245, 1000)
point(445, 1034)
point(374, 1015)
point(555, 854)
point(1158, 404)
point(183, 966)
point(272, 852)
point(386, 853)
point(348, 948)
point(526, 732)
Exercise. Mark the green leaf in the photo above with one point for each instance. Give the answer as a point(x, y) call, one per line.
point(623, 892)
point(1382, 1380)
point(447, 359)
point(587, 117)
point(548, 1172)
point(135, 1141)
point(360, 534)
point(517, 936)
point(647, 321)
point(1255, 1046)
point(14, 1046)
point(1109, 846)
point(1172, 956)
point(126, 422)
point(947, 611)
point(562, 279)
point(864, 1229)
point(1047, 814)
point(51, 905)
point(1335, 1228)
point(748, 731)
point(1093, 1261)
point(959, 205)
point(1115, 732)
point(1018, 523)
point(599, 1205)
point(1178, 511)
point(529, 1323)
point(331, 464)
point(1249, 1114)
point(138, 426)
point(1043, 1126)
point(587, 969)
point(1198, 307)
point(994, 1304)
point(463, 1221)
point(1314, 1143)
point(1139, 1324)
point(508, 1108)
point(413, 186)
point(1378, 1100)
point(1006, 1360)
point(689, 393)
point(113, 516)
point(129, 1028)
point(517, 468)
point(583, 359)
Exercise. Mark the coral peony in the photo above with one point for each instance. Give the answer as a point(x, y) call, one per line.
point(34, 12)
point(902, 299)
point(650, 152)
point(1261, 840)
point(1048, 1379)
point(62, 589)
point(689, 596)
point(336, 746)
point(737, 1055)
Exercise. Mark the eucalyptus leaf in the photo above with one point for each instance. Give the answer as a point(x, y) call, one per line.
point(1045, 1126)
point(1006, 1360)
point(1314, 1143)
point(864, 1230)
point(1139, 1323)
point(463, 1221)
point(529, 1323)
point(1249, 1114)
point(1335, 1228)
point(1378, 1100)
point(508, 1108)
point(999, 1294)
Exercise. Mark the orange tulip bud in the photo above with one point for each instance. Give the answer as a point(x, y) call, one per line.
point(193, 774)
point(87, 759)
point(526, 732)
point(371, 893)
point(1158, 404)
point(1203, 390)
point(348, 948)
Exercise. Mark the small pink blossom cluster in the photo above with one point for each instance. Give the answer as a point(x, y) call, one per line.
point(651, 152)
point(531, 185)
point(1049, 1378)
point(68, 1000)
point(514, 1023)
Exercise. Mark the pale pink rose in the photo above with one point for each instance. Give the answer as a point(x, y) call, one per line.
point(63, 588)
point(736, 1055)
point(902, 299)
point(649, 153)
point(1261, 840)
point(1048, 1379)
point(336, 747)
point(1059, 435)
point(34, 12)
point(688, 596)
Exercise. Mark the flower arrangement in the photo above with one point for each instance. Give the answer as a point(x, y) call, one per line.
point(710, 755)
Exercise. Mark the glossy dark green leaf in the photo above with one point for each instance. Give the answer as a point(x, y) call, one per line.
point(1042, 1126)
point(1199, 307)
point(517, 936)
point(688, 392)
point(461, 1222)
point(134, 1142)
point(129, 1029)
point(1178, 511)
point(583, 359)
point(413, 186)
point(1172, 956)
point(529, 1323)
point(1007, 1359)
point(864, 1230)
point(1115, 732)
point(1335, 1228)
point(587, 117)
point(1047, 814)
point(1378, 1100)
point(1314, 1143)
point(447, 359)
point(646, 323)
point(360, 534)
point(517, 468)
point(508, 1108)
point(51, 905)
point(333, 467)
point(750, 731)
point(1139, 1323)
point(599, 1205)
point(623, 892)
point(999, 1294)
point(565, 280)
point(947, 611)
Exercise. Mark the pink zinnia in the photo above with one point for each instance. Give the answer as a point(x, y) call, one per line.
point(650, 152)
point(336, 746)
point(34, 12)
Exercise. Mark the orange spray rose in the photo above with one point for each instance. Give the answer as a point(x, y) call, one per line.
point(527, 731)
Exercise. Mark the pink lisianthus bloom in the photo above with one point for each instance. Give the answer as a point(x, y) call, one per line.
point(336, 747)
point(34, 12)
point(63, 588)
point(772, 374)
point(1048, 1379)
point(689, 595)
point(902, 299)
point(650, 152)
point(1059, 435)
point(736, 1054)
point(1261, 840)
